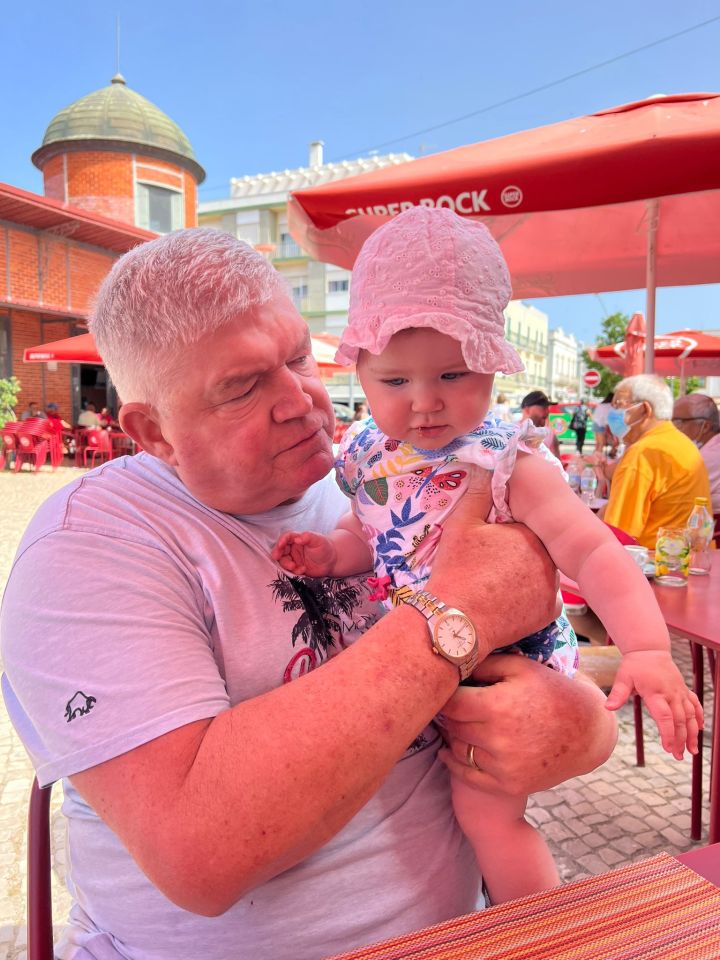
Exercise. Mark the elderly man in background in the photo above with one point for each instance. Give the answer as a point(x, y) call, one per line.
point(535, 406)
point(698, 417)
point(249, 758)
point(661, 471)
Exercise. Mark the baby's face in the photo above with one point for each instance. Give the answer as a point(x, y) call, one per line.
point(420, 389)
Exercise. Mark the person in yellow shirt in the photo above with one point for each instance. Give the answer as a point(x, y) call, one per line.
point(661, 471)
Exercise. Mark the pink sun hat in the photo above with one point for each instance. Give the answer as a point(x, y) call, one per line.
point(431, 268)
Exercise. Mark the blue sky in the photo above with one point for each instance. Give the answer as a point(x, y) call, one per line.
point(251, 84)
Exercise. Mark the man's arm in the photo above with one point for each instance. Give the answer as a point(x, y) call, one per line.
point(217, 807)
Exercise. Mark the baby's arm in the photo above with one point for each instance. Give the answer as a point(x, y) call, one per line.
point(616, 589)
point(341, 553)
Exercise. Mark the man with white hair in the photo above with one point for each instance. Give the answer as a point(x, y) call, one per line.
point(224, 797)
point(661, 471)
point(697, 416)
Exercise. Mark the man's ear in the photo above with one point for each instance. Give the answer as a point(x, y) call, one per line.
point(141, 422)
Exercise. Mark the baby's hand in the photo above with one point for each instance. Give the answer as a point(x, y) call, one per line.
point(306, 554)
point(675, 709)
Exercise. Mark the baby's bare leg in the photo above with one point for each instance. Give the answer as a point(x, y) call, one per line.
point(514, 859)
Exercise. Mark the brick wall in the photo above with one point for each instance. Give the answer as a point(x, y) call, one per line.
point(50, 271)
point(102, 182)
point(37, 382)
point(54, 178)
point(190, 200)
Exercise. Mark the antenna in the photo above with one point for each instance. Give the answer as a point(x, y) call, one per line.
point(117, 44)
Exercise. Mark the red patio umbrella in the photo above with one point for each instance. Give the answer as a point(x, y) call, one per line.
point(623, 198)
point(684, 353)
point(634, 345)
point(82, 349)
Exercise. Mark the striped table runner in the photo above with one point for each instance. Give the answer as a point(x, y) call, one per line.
point(656, 909)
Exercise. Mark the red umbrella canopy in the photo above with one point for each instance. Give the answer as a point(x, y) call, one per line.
point(685, 353)
point(82, 349)
point(79, 349)
point(568, 202)
point(634, 345)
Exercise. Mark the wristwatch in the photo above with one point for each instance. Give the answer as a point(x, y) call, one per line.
point(452, 634)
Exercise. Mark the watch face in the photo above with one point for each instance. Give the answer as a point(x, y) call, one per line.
point(455, 635)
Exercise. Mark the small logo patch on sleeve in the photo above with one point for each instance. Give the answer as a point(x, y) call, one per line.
point(78, 705)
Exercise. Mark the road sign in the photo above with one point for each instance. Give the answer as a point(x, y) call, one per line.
point(591, 378)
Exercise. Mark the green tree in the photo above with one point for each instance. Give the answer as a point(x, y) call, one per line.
point(613, 331)
point(9, 390)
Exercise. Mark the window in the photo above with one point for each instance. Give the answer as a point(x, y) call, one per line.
point(299, 296)
point(5, 355)
point(158, 208)
point(338, 286)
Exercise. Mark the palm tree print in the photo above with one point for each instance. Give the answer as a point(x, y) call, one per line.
point(326, 608)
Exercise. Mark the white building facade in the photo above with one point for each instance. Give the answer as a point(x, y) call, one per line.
point(563, 365)
point(256, 211)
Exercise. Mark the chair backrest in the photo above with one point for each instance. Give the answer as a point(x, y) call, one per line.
point(99, 439)
point(9, 439)
point(39, 890)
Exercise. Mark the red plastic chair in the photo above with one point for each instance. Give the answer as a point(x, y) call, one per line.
point(98, 444)
point(9, 443)
point(39, 890)
point(37, 428)
point(30, 449)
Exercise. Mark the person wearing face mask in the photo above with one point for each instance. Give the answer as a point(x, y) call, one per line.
point(661, 471)
point(698, 418)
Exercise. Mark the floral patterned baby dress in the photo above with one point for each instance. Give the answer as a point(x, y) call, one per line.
point(402, 495)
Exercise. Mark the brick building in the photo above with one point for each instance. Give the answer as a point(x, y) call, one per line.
point(116, 172)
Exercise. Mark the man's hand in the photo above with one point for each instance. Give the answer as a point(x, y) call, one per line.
point(500, 575)
point(305, 554)
point(531, 729)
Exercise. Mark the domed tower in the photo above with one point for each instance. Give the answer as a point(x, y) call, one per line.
point(115, 153)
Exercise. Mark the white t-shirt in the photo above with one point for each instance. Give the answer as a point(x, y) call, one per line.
point(189, 616)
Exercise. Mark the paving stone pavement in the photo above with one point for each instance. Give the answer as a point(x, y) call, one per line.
point(616, 814)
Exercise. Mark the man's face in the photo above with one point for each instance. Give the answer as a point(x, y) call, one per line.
point(636, 413)
point(685, 419)
point(248, 423)
point(538, 413)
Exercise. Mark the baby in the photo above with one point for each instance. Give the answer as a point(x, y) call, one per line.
point(426, 330)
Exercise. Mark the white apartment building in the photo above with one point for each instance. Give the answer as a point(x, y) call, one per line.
point(563, 365)
point(527, 329)
point(256, 211)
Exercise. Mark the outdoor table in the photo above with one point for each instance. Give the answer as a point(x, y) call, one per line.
point(661, 908)
point(693, 613)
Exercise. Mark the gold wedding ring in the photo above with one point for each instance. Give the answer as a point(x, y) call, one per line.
point(470, 756)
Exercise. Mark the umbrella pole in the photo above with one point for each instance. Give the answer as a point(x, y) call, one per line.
point(653, 215)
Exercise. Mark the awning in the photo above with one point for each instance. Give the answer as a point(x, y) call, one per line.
point(82, 349)
point(617, 200)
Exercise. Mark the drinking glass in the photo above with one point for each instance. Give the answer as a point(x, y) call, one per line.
point(672, 556)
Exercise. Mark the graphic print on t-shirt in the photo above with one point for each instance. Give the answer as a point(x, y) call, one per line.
point(332, 613)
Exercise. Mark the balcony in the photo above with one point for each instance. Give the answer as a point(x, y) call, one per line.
point(288, 250)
